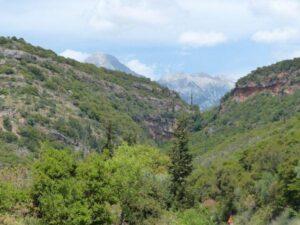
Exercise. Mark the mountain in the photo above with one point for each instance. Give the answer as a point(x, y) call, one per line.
point(109, 62)
point(247, 150)
point(46, 97)
point(205, 90)
point(266, 95)
point(57, 115)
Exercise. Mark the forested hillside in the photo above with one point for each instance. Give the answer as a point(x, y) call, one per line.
point(246, 156)
point(45, 97)
point(81, 145)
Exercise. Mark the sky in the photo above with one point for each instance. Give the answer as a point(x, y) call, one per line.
point(227, 38)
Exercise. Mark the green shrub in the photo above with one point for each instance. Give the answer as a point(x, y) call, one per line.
point(195, 216)
point(36, 72)
point(68, 192)
point(10, 196)
point(4, 91)
point(30, 90)
point(31, 138)
point(143, 192)
point(8, 137)
point(7, 123)
point(5, 69)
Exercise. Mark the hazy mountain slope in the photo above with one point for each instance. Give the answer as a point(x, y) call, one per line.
point(205, 90)
point(45, 97)
point(109, 62)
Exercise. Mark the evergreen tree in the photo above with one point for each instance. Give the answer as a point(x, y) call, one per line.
point(109, 139)
point(181, 163)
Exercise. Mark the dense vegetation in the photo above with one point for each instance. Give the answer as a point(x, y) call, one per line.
point(79, 146)
point(253, 175)
point(247, 155)
point(62, 187)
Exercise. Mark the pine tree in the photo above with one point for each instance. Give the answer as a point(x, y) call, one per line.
point(109, 139)
point(181, 163)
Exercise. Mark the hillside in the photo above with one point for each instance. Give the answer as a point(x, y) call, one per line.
point(239, 160)
point(45, 97)
point(282, 78)
point(206, 91)
point(266, 95)
point(247, 153)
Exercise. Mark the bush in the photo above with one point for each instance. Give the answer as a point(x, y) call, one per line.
point(143, 192)
point(8, 137)
point(30, 90)
point(6, 123)
point(195, 216)
point(4, 91)
point(56, 193)
point(10, 196)
point(36, 72)
point(67, 192)
point(5, 69)
point(31, 138)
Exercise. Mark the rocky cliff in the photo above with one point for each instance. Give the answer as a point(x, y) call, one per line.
point(282, 78)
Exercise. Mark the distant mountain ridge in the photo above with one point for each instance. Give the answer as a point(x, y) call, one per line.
point(202, 89)
point(110, 62)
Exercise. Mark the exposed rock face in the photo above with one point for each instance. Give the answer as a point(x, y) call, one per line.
point(276, 84)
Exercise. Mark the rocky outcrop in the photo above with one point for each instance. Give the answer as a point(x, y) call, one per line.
point(283, 83)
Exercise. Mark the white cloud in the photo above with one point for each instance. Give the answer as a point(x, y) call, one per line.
point(79, 56)
point(151, 21)
point(118, 14)
point(201, 39)
point(282, 9)
point(277, 35)
point(102, 24)
point(141, 68)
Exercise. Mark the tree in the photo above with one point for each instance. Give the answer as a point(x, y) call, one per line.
point(109, 139)
point(181, 163)
point(197, 120)
point(289, 174)
point(68, 191)
point(192, 98)
point(97, 191)
point(57, 194)
point(140, 180)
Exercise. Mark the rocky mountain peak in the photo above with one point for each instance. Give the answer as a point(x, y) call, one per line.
point(205, 90)
point(109, 62)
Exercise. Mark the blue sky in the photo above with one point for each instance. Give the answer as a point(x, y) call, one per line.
point(157, 37)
